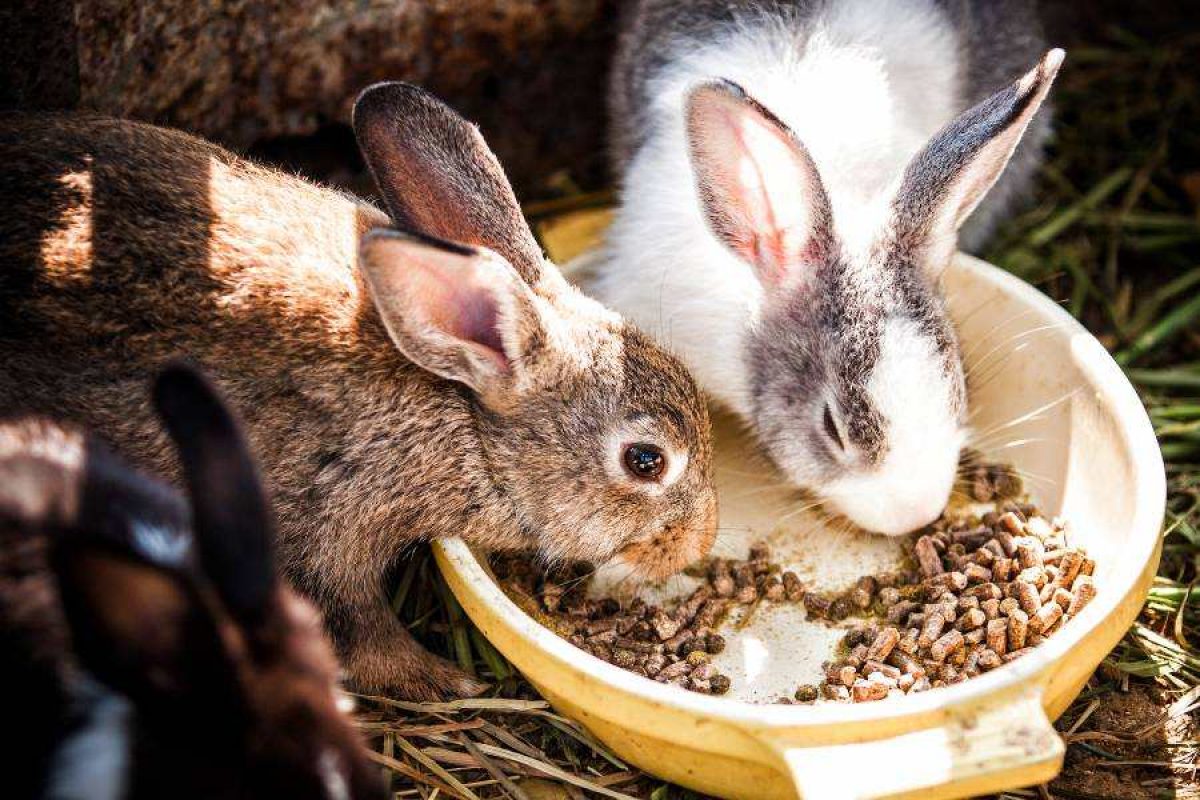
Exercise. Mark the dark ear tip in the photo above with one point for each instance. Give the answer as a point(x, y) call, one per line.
point(178, 378)
point(391, 97)
point(1042, 75)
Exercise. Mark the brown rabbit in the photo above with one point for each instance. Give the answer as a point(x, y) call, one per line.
point(398, 386)
point(154, 651)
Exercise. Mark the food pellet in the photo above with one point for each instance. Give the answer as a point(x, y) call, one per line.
point(984, 591)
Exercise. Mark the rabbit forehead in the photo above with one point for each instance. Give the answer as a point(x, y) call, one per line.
point(857, 325)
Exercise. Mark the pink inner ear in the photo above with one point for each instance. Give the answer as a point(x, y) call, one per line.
point(478, 321)
point(760, 192)
point(457, 300)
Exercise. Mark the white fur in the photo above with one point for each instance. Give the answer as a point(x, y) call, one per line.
point(911, 390)
point(864, 88)
point(872, 82)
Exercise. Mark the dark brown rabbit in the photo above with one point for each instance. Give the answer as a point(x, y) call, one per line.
point(398, 386)
point(152, 650)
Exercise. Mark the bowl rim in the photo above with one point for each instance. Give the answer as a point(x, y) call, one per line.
point(1150, 499)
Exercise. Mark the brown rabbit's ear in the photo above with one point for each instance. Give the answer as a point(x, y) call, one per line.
point(459, 313)
point(948, 178)
point(438, 177)
point(759, 189)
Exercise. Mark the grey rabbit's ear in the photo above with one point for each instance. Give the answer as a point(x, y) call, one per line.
point(759, 188)
point(460, 313)
point(438, 177)
point(948, 178)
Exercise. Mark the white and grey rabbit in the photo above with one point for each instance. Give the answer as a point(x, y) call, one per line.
point(795, 175)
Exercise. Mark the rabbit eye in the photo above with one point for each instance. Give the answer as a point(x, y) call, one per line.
point(644, 461)
point(831, 428)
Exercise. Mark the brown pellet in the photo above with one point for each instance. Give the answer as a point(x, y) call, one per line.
point(1018, 629)
point(997, 635)
point(655, 663)
point(975, 636)
point(1083, 590)
point(1063, 598)
point(1044, 619)
point(884, 669)
point(719, 684)
point(1035, 575)
point(817, 605)
point(977, 573)
point(932, 629)
point(793, 590)
point(991, 608)
point(1030, 552)
point(908, 644)
point(949, 643)
point(971, 620)
point(671, 671)
point(665, 625)
point(746, 594)
point(985, 591)
point(1012, 525)
point(928, 559)
point(906, 663)
point(863, 593)
point(1027, 596)
point(847, 675)
point(865, 691)
point(1002, 569)
point(840, 608)
point(1038, 528)
point(955, 580)
point(807, 693)
point(989, 659)
point(883, 645)
point(899, 612)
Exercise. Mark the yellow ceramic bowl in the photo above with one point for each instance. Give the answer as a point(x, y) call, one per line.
point(1066, 415)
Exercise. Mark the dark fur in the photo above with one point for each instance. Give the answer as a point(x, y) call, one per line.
point(102, 577)
point(126, 244)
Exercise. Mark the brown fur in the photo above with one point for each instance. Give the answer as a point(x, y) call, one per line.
point(124, 244)
point(222, 707)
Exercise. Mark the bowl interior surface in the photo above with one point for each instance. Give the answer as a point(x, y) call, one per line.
point(1045, 397)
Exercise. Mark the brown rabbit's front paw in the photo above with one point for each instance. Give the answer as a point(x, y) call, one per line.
point(399, 667)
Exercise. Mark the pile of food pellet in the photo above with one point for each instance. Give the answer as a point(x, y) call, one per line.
point(983, 591)
point(670, 645)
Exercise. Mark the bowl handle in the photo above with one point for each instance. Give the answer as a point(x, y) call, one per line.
point(1002, 745)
